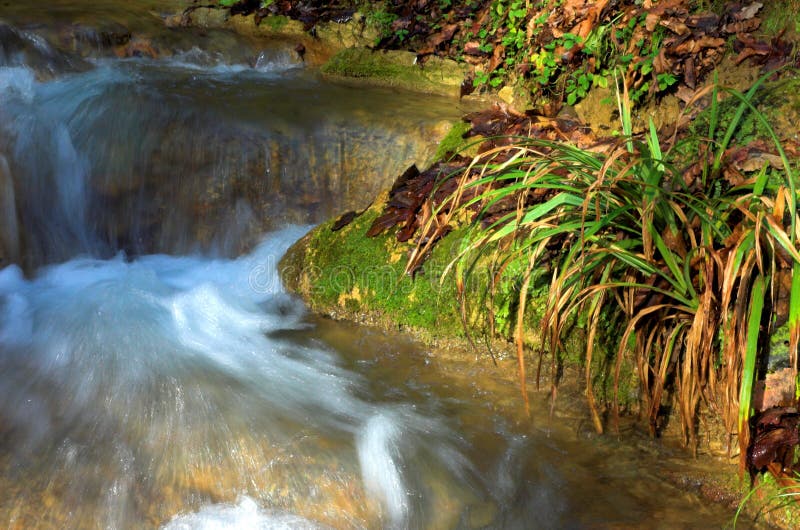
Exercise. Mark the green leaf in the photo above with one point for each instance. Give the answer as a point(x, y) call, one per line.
point(794, 316)
point(751, 350)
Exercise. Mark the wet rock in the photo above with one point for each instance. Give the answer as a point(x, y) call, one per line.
point(138, 47)
point(9, 225)
point(776, 390)
point(397, 68)
point(598, 110)
point(207, 17)
point(90, 40)
point(23, 48)
point(274, 26)
point(350, 34)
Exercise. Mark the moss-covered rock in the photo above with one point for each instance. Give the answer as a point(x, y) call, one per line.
point(348, 275)
point(351, 34)
point(397, 69)
point(454, 142)
point(207, 17)
point(271, 26)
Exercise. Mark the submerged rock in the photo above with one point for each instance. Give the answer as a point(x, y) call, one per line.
point(20, 48)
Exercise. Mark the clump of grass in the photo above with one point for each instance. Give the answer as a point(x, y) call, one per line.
point(683, 252)
point(774, 498)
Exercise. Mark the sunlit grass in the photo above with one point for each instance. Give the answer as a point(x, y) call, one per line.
point(682, 249)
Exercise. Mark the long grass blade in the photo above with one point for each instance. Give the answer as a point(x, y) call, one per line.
point(757, 293)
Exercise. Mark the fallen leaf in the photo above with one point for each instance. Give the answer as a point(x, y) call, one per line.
point(749, 11)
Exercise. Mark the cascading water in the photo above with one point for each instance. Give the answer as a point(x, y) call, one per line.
point(187, 391)
point(193, 153)
point(167, 370)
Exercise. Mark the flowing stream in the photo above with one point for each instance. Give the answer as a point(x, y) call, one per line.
point(153, 372)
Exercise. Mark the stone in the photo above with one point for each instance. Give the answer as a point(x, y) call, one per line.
point(347, 35)
point(597, 109)
point(208, 17)
point(397, 68)
point(506, 94)
point(9, 224)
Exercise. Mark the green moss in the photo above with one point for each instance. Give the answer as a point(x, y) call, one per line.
point(777, 101)
point(351, 275)
point(454, 141)
point(397, 69)
point(780, 15)
point(347, 272)
point(348, 275)
point(779, 348)
point(772, 503)
point(275, 22)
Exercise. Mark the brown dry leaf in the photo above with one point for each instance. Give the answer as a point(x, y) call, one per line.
point(685, 93)
point(689, 74)
point(744, 26)
point(473, 48)
point(443, 35)
point(697, 45)
point(651, 21)
point(675, 26)
point(705, 22)
point(757, 160)
point(498, 55)
point(748, 11)
point(661, 64)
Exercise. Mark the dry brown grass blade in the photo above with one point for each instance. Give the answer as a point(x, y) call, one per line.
point(630, 328)
point(519, 332)
point(594, 319)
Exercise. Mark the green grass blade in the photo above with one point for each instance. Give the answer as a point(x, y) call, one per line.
point(794, 320)
point(751, 350)
point(670, 259)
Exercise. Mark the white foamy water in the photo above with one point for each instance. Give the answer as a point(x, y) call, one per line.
point(16, 82)
point(141, 365)
point(273, 61)
point(244, 515)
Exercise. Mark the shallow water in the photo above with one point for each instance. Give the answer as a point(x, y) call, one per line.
point(153, 372)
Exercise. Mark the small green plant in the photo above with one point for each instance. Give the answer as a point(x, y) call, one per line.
point(378, 16)
point(775, 497)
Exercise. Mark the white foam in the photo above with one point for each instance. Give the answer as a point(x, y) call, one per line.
point(177, 346)
point(378, 452)
point(270, 61)
point(244, 515)
point(17, 81)
point(16, 327)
